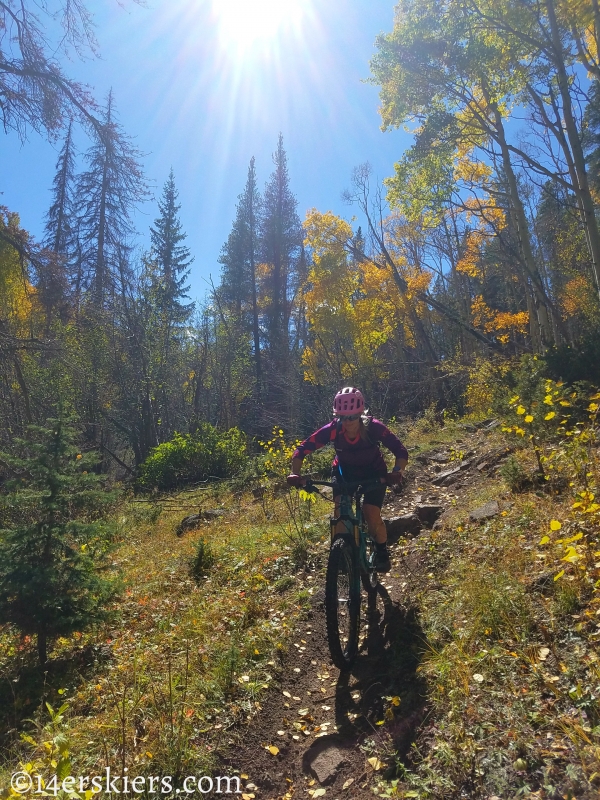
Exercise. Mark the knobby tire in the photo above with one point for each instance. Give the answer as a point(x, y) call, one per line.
point(342, 603)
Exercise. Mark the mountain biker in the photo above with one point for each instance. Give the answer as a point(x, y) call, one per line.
point(356, 437)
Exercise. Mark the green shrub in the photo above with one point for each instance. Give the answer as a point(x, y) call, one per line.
point(202, 561)
point(515, 475)
point(189, 458)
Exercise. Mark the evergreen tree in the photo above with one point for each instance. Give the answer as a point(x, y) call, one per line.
point(51, 559)
point(59, 235)
point(238, 278)
point(281, 240)
point(170, 257)
point(107, 194)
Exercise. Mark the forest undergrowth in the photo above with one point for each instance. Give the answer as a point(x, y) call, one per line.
point(509, 610)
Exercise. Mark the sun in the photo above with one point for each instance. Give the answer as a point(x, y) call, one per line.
point(243, 24)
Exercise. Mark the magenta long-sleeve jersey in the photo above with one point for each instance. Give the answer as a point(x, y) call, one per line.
point(362, 457)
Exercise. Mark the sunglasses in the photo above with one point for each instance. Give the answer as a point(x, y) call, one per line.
point(350, 418)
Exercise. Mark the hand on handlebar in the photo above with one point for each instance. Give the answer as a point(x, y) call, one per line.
point(296, 480)
point(395, 479)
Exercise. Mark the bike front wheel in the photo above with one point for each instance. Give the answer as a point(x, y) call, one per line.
point(342, 603)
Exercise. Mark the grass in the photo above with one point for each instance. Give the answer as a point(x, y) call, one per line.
point(193, 645)
point(512, 665)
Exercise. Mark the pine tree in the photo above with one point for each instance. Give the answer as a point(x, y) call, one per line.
point(170, 258)
point(281, 240)
point(107, 194)
point(238, 256)
point(51, 559)
point(59, 236)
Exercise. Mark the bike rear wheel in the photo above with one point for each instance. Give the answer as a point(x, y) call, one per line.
point(342, 603)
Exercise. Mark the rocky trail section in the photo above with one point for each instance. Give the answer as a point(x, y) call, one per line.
point(322, 733)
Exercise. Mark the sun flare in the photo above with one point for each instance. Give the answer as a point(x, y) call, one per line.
point(245, 23)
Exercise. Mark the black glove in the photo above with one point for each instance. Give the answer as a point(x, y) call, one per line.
point(395, 479)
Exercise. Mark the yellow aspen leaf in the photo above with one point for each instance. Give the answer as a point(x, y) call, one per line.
point(375, 763)
point(548, 400)
point(550, 415)
point(529, 418)
point(273, 750)
point(572, 555)
point(555, 525)
point(544, 540)
point(520, 410)
point(560, 574)
point(575, 538)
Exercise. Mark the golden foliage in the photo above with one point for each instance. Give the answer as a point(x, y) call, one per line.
point(17, 295)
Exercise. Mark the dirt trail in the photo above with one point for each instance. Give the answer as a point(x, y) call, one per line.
point(320, 724)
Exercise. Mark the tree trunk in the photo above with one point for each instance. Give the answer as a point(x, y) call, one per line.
point(582, 188)
point(42, 645)
point(522, 230)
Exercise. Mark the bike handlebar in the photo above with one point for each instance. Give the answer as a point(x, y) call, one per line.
point(347, 487)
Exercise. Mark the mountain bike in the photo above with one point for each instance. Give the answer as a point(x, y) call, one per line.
point(351, 562)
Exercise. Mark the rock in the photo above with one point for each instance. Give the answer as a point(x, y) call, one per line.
point(447, 477)
point(398, 526)
point(324, 758)
point(429, 515)
point(189, 523)
point(193, 521)
point(212, 513)
point(439, 458)
point(484, 512)
point(491, 425)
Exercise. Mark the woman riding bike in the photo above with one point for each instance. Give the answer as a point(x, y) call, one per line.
point(356, 437)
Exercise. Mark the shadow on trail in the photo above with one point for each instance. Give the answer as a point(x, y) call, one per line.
point(386, 667)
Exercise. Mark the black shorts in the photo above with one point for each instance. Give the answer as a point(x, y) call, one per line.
point(372, 497)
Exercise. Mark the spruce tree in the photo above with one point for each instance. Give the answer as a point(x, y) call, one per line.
point(281, 254)
point(107, 194)
point(238, 288)
point(53, 559)
point(170, 258)
point(59, 235)
point(281, 241)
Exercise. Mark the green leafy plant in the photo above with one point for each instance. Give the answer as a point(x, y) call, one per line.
point(53, 578)
point(202, 560)
point(190, 458)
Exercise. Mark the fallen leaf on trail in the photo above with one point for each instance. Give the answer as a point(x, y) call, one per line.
point(280, 733)
point(375, 763)
point(247, 796)
point(544, 653)
point(319, 792)
point(245, 678)
point(348, 783)
point(478, 677)
point(395, 701)
point(272, 749)
point(243, 776)
point(312, 782)
point(287, 694)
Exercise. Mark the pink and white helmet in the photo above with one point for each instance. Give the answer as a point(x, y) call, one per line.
point(348, 401)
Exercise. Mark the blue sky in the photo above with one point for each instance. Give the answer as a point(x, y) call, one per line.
point(203, 94)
